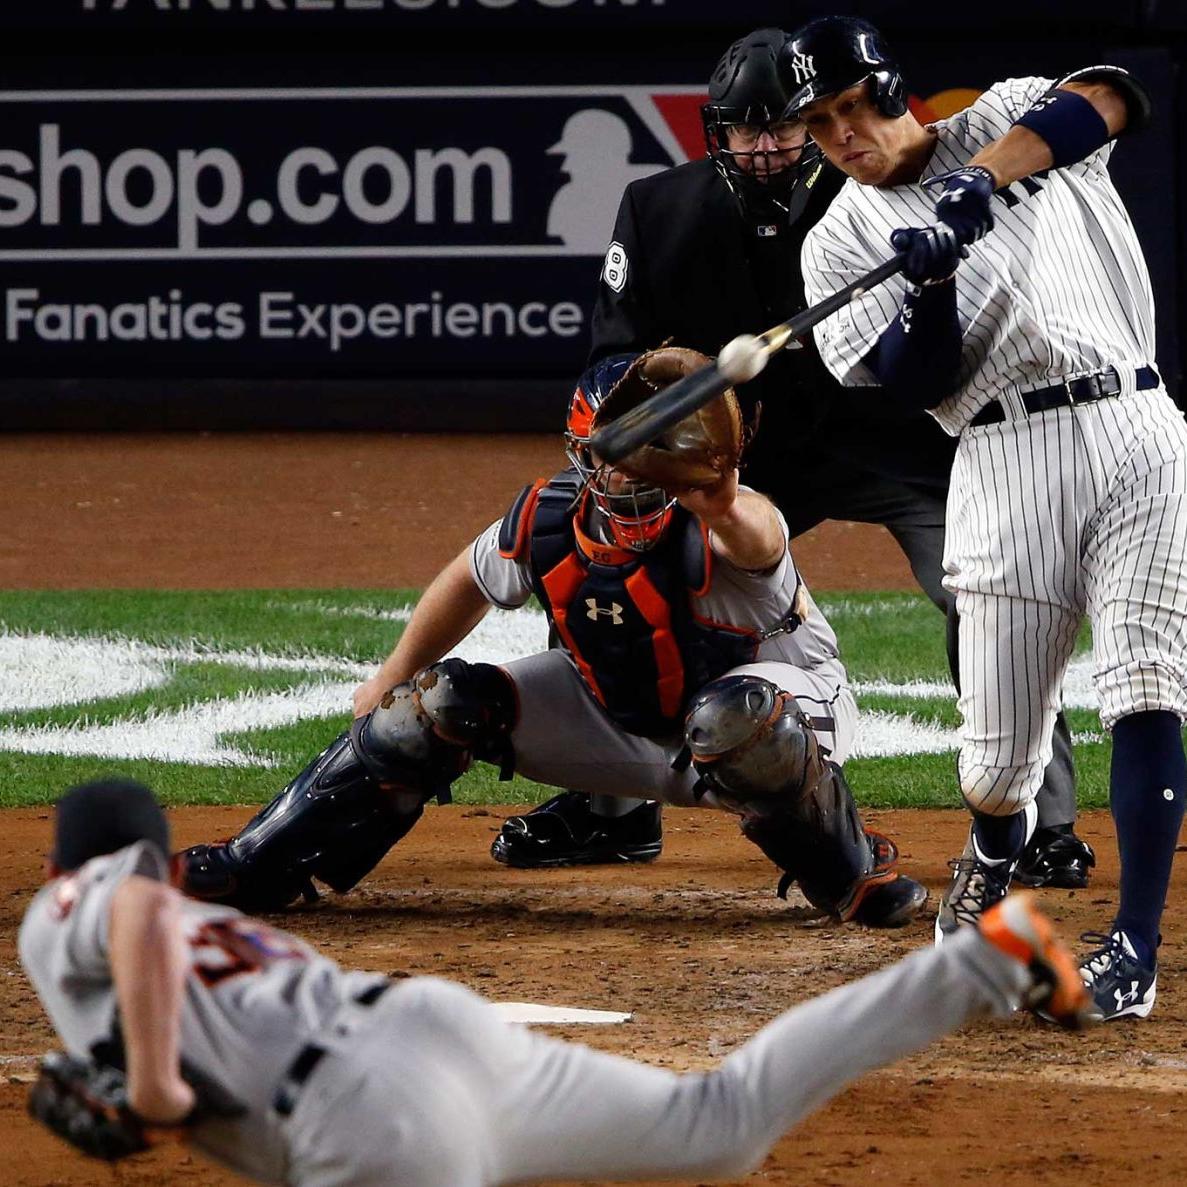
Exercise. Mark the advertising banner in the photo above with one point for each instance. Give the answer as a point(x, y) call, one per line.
point(314, 232)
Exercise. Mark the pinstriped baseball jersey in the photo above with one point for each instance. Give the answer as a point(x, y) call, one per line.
point(1052, 515)
point(1058, 289)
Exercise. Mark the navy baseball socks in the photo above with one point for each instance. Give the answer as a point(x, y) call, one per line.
point(1147, 795)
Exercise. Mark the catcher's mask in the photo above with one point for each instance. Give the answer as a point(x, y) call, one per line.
point(763, 155)
point(637, 514)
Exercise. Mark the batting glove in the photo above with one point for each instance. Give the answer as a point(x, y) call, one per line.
point(932, 253)
point(963, 203)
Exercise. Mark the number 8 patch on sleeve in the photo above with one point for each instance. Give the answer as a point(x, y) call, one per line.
point(615, 268)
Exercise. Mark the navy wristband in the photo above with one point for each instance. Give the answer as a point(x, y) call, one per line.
point(1071, 126)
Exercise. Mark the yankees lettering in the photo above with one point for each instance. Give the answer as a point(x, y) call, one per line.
point(1032, 339)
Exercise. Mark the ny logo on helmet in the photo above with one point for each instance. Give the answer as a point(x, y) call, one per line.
point(593, 610)
point(804, 70)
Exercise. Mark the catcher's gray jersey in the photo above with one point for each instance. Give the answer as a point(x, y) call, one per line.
point(427, 1087)
point(563, 737)
point(752, 601)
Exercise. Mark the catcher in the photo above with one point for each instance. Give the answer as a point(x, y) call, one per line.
point(345, 1078)
point(694, 667)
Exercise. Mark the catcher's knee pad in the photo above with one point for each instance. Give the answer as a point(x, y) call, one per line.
point(750, 742)
point(428, 730)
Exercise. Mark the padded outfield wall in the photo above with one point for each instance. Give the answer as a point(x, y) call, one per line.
point(394, 213)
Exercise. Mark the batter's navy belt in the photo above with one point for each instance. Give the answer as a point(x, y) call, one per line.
point(311, 1055)
point(1085, 390)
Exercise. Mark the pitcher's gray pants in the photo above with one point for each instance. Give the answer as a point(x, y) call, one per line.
point(433, 1089)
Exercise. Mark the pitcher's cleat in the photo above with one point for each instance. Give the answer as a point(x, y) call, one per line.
point(1019, 929)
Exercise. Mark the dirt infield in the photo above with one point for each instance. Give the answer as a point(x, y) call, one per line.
point(312, 510)
point(701, 951)
point(695, 945)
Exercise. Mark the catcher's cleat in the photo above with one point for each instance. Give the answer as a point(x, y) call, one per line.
point(892, 904)
point(883, 897)
point(211, 873)
point(1055, 857)
point(975, 887)
point(1119, 984)
point(1019, 929)
point(564, 832)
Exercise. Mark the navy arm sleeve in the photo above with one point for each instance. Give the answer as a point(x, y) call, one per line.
point(917, 357)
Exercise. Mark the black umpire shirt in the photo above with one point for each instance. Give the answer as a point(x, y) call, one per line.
point(684, 264)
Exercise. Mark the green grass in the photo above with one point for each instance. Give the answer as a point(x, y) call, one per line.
point(887, 637)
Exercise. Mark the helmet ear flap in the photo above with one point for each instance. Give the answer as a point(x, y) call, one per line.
point(889, 93)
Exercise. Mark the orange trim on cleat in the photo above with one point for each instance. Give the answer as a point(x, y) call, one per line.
point(1018, 928)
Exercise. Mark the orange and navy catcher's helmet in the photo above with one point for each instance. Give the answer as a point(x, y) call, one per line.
point(638, 514)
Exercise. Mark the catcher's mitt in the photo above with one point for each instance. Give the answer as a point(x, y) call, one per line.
point(697, 452)
point(85, 1101)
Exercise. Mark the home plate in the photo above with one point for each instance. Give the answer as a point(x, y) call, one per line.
point(529, 1012)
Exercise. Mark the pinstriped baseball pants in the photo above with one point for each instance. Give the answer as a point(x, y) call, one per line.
point(1051, 517)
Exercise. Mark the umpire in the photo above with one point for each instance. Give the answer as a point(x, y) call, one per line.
point(711, 249)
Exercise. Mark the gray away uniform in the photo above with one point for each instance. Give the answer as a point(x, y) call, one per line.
point(565, 738)
point(428, 1087)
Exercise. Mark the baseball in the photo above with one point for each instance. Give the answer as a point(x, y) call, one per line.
point(742, 358)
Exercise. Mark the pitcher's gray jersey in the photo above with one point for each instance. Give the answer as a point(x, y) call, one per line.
point(253, 994)
point(1058, 289)
point(426, 1086)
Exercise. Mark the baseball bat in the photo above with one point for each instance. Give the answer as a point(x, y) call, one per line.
point(647, 420)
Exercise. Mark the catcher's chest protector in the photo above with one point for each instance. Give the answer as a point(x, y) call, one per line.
point(628, 618)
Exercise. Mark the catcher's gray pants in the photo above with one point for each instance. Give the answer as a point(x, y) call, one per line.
point(566, 739)
point(433, 1089)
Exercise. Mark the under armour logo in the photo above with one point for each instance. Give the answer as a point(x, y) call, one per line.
point(592, 610)
point(1126, 999)
point(801, 64)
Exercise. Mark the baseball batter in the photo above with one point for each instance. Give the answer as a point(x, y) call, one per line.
point(694, 666)
point(343, 1078)
point(1025, 322)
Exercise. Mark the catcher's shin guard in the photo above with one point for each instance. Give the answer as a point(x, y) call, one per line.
point(344, 811)
point(755, 749)
point(841, 868)
point(333, 821)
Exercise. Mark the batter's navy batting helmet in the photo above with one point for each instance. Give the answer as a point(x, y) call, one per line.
point(834, 53)
point(746, 91)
